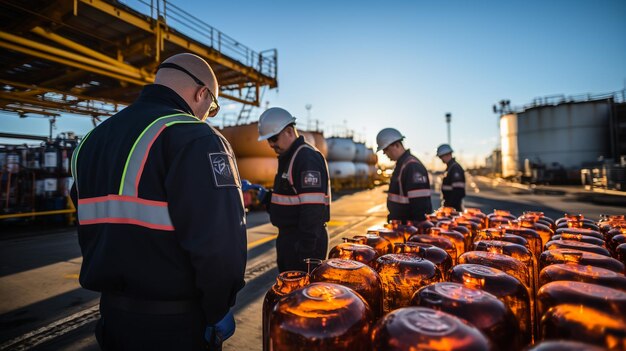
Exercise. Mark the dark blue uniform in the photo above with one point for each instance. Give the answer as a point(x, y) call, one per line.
point(408, 198)
point(300, 206)
point(161, 224)
point(453, 185)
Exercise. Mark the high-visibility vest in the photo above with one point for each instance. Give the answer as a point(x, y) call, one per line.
point(126, 207)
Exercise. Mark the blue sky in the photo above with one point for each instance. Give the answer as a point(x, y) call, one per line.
point(404, 64)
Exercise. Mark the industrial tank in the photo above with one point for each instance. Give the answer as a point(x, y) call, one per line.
point(341, 169)
point(258, 170)
point(243, 140)
point(341, 149)
point(565, 133)
point(320, 143)
point(360, 153)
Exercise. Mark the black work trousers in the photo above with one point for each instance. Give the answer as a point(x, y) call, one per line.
point(294, 246)
point(119, 329)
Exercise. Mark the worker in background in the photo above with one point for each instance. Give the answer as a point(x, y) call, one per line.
point(161, 217)
point(299, 204)
point(408, 198)
point(453, 183)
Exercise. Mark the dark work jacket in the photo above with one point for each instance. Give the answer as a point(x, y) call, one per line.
point(301, 198)
point(409, 190)
point(453, 185)
point(196, 249)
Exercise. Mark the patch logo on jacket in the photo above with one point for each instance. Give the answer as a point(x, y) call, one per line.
point(311, 179)
point(223, 168)
point(419, 178)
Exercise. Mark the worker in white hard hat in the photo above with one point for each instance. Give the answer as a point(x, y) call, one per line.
point(299, 204)
point(408, 198)
point(453, 183)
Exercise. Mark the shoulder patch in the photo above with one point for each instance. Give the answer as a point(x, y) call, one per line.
point(311, 179)
point(419, 178)
point(224, 170)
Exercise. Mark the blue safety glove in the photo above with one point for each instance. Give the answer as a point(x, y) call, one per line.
point(216, 334)
point(246, 185)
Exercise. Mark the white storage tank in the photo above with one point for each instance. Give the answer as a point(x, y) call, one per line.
point(360, 154)
point(340, 149)
point(341, 169)
point(361, 170)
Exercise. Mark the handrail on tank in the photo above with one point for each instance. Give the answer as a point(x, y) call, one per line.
point(265, 61)
point(554, 100)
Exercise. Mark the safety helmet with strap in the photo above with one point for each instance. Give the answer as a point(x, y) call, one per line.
point(387, 137)
point(272, 121)
point(444, 149)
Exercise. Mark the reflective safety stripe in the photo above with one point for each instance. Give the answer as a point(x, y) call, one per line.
point(124, 210)
point(302, 199)
point(458, 185)
point(446, 187)
point(418, 193)
point(397, 198)
point(141, 148)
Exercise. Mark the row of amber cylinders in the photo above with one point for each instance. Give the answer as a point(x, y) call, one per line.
point(460, 281)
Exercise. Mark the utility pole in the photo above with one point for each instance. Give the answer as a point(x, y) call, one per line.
point(448, 120)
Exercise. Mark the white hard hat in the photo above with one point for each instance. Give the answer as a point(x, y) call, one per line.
point(444, 149)
point(272, 121)
point(387, 137)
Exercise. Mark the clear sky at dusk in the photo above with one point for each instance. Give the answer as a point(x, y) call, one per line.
point(404, 64)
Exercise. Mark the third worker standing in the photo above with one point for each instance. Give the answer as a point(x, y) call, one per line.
point(453, 183)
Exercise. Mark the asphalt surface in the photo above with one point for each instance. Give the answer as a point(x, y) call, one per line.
point(42, 306)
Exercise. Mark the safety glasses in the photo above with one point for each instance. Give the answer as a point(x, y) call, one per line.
point(274, 138)
point(215, 106)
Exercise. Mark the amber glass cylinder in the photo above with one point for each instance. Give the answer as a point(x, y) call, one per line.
point(616, 241)
point(544, 231)
point(480, 308)
point(578, 237)
point(580, 231)
point(503, 286)
point(472, 226)
point(539, 216)
point(389, 234)
point(357, 276)
point(579, 273)
point(535, 242)
point(581, 257)
point(320, 316)
point(421, 328)
point(475, 212)
point(381, 245)
point(499, 234)
point(402, 275)
point(452, 226)
point(457, 238)
point(434, 254)
point(286, 282)
point(407, 230)
point(565, 345)
point(356, 252)
point(576, 221)
point(576, 322)
point(609, 300)
point(436, 240)
point(608, 235)
point(620, 253)
point(576, 245)
point(501, 261)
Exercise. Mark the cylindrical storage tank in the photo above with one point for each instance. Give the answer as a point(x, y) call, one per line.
point(417, 328)
point(258, 170)
point(480, 308)
point(321, 317)
point(371, 171)
point(355, 275)
point(341, 170)
point(371, 158)
point(341, 149)
point(360, 152)
point(308, 137)
point(361, 170)
point(508, 141)
point(243, 140)
point(320, 143)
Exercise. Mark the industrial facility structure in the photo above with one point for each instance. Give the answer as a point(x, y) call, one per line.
point(552, 139)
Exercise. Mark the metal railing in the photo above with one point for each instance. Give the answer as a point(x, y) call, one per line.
point(553, 100)
point(265, 62)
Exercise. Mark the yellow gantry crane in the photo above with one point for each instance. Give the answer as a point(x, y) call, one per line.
point(90, 57)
